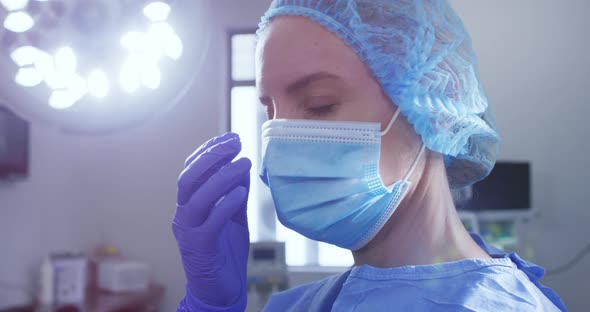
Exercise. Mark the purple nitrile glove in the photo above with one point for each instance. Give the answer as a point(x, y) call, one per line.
point(211, 226)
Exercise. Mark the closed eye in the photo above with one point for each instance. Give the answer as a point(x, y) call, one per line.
point(321, 111)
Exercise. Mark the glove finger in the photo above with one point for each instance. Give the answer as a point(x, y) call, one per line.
point(203, 200)
point(204, 166)
point(241, 216)
point(211, 142)
point(229, 205)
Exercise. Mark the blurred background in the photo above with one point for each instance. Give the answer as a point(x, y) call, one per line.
point(102, 101)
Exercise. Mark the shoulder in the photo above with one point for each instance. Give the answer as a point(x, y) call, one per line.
point(507, 289)
point(466, 285)
point(292, 298)
point(312, 296)
point(528, 274)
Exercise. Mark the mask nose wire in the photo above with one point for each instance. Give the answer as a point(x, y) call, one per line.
point(384, 132)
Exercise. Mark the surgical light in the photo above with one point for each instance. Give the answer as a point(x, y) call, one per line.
point(44, 64)
point(65, 60)
point(72, 55)
point(28, 77)
point(166, 37)
point(54, 78)
point(98, 83)
point(130, 76)
point(77, 85)
point(157, 11)
point(144, 49)
point(25, 55)
point(151, 77)
point(142, 45)
point(19, 22)
point(14, 5)
point(62, 99)
point(75, 89)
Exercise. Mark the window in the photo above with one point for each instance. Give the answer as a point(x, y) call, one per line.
point(247, 116)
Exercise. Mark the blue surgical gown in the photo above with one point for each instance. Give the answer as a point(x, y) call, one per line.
point(503, 283)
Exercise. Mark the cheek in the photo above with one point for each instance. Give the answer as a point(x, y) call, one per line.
point(390, 167)
point(367, 108)
point(356, 110)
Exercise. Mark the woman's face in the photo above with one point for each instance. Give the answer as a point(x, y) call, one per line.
point(304, 71)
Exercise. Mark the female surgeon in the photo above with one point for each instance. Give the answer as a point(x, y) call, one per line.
point(375, 113)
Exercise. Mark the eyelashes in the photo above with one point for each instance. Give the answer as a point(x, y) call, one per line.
point(321, 111)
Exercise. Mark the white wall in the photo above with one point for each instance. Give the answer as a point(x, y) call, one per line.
point(122, 187)
point(44, 213)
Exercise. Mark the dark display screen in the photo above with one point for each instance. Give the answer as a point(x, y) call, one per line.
point(506, 188)
point(264, 254)
point(14, 145)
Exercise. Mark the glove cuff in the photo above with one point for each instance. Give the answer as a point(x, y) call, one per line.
point(191, 303)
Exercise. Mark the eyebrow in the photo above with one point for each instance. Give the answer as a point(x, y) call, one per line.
point(304, 82)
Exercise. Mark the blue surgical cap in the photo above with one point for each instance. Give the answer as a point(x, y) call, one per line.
point(421, 54)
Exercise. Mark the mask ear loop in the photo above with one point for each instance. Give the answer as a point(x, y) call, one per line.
point(420, 153)
point(411, 171)
point(384, 132)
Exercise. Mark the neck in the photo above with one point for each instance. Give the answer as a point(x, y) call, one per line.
point(425, 229)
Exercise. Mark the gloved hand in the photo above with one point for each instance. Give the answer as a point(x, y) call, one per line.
point(211, 226)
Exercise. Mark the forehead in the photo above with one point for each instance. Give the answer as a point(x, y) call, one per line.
point(292, 47)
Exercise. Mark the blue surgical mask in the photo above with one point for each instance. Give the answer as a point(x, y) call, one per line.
point(324, 179)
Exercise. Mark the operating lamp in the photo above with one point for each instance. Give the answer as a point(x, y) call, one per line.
point(99, 65)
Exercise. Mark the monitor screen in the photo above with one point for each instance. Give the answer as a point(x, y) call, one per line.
point(264, 254)
point(506, 188)
point(14, 145)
